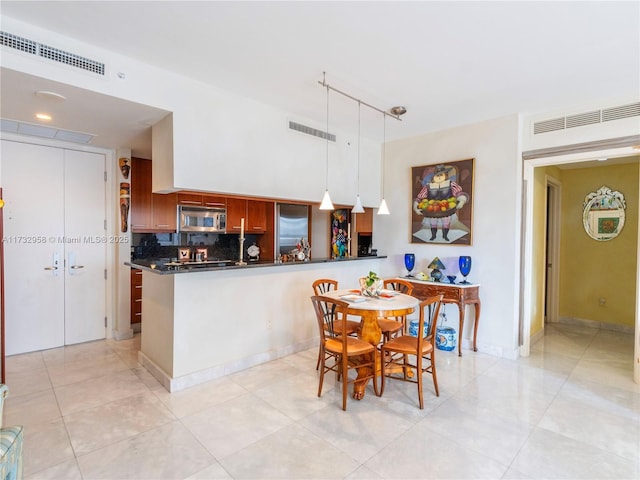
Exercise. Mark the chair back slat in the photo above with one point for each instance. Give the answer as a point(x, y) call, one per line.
point(429, 311)
point(330, 313)
point(399, 285)
point(324, 285)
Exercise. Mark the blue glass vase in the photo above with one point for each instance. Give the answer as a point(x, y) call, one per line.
point(409, 263)
point(465, 267)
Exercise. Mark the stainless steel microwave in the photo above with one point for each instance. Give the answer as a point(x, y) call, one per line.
point(201, 219)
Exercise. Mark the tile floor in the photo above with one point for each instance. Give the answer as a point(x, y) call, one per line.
point(568, 411)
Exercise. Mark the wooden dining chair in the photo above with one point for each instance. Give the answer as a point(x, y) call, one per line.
point(322, 286)
point(399, 351)
point(392, 326)
point(338, 351)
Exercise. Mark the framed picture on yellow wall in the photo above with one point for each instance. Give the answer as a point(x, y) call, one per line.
point(442, 203)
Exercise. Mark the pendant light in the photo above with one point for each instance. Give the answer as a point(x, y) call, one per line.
point(357, 208)
point(383, 209)
point(326, 203)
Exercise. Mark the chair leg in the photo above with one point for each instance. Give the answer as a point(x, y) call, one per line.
point(322, 370)
point(433, 372)
point(419, 374)
point(345, 382)
point(319, 357)
point(375, 374)
point(382, 374)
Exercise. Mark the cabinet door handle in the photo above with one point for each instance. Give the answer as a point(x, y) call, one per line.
point(75, 267)
point(50, 268)
point(162, 225)
point(191, 202)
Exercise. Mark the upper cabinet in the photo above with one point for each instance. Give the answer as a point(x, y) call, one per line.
point(150, 212)
point(201, 199)
point(256, 216)
point(254, 212)
point(364, 221)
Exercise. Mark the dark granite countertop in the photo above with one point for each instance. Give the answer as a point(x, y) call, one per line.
point(167, 266)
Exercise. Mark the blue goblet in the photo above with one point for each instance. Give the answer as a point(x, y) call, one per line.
point(465, 267)
point(409, 262)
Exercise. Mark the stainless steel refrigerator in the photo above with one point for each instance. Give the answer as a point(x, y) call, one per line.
point(292, 224)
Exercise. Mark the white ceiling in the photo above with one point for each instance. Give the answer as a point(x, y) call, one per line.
point(449, 63)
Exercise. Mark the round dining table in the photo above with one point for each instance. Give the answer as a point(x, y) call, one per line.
point(389, 304)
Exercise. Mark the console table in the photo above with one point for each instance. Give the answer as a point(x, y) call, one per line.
point(460, 294)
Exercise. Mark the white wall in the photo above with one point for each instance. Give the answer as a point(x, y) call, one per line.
point(496, 220)
point(221, 141)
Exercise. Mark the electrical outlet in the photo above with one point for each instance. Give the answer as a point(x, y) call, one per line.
point(602, 301)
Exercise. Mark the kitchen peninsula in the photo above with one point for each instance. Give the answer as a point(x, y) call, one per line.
point(210, 321)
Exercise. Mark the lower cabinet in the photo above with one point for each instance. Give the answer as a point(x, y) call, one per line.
point(136, 297)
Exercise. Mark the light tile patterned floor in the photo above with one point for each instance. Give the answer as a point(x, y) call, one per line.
point(569, 411)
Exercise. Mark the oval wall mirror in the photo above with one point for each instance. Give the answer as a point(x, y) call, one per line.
point(603, 214)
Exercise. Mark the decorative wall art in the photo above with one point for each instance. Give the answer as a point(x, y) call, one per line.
point(340, 233)
point(125, 196)
point(442, 203)
point(603, 214)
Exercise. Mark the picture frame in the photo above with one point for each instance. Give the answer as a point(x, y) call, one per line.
point(605, 224)
point(340, 232)
point(432, 220)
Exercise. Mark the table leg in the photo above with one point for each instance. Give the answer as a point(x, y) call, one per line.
point(475, 326)
point(461, 310)
point(369, 332)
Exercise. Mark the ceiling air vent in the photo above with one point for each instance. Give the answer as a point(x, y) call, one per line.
point(549, 125)
point(581, 119)
point(51, 53)
point(587, 118)
point(625, 111)
point(298, 127)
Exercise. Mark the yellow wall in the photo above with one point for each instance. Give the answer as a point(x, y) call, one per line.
point(589, 269)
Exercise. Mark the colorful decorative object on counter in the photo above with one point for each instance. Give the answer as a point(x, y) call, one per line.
point(465, 267)
point(125, 166)
point(436, 265)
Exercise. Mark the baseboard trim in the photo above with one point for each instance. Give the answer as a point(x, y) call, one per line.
point(175, 384)
point(595, 324)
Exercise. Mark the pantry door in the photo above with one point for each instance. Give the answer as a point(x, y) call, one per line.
point(45, 232)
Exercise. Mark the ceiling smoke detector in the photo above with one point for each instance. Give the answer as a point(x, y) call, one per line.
point(399, 110)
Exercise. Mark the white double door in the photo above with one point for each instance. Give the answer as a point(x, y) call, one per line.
point(54, 246)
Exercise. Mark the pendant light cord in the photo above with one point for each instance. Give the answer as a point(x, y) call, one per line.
point(358, 172)
point(384, 148)
point(326, 175)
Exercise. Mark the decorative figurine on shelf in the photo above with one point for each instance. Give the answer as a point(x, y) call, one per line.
point(452, 279)
point(437, 265)
point(371, 285)
point(465, 267)
point(409, 262)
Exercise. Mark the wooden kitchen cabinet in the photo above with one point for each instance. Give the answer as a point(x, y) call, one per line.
point(140, 201)
point(136, 296)
point(164, 215)
point(236, 211)
point(189, 198)
point(256, 216)
point(214, 201)
point(364, 221)
point(149, 212)
point(201, 200)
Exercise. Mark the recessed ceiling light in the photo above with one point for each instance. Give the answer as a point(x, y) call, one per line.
point(602, 159)
point(43, 116)
point(50, 95)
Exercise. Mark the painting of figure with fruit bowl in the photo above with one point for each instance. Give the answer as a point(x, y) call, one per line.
point(442, 203)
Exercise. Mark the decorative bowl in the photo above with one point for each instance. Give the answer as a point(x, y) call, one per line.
point(372, 290)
